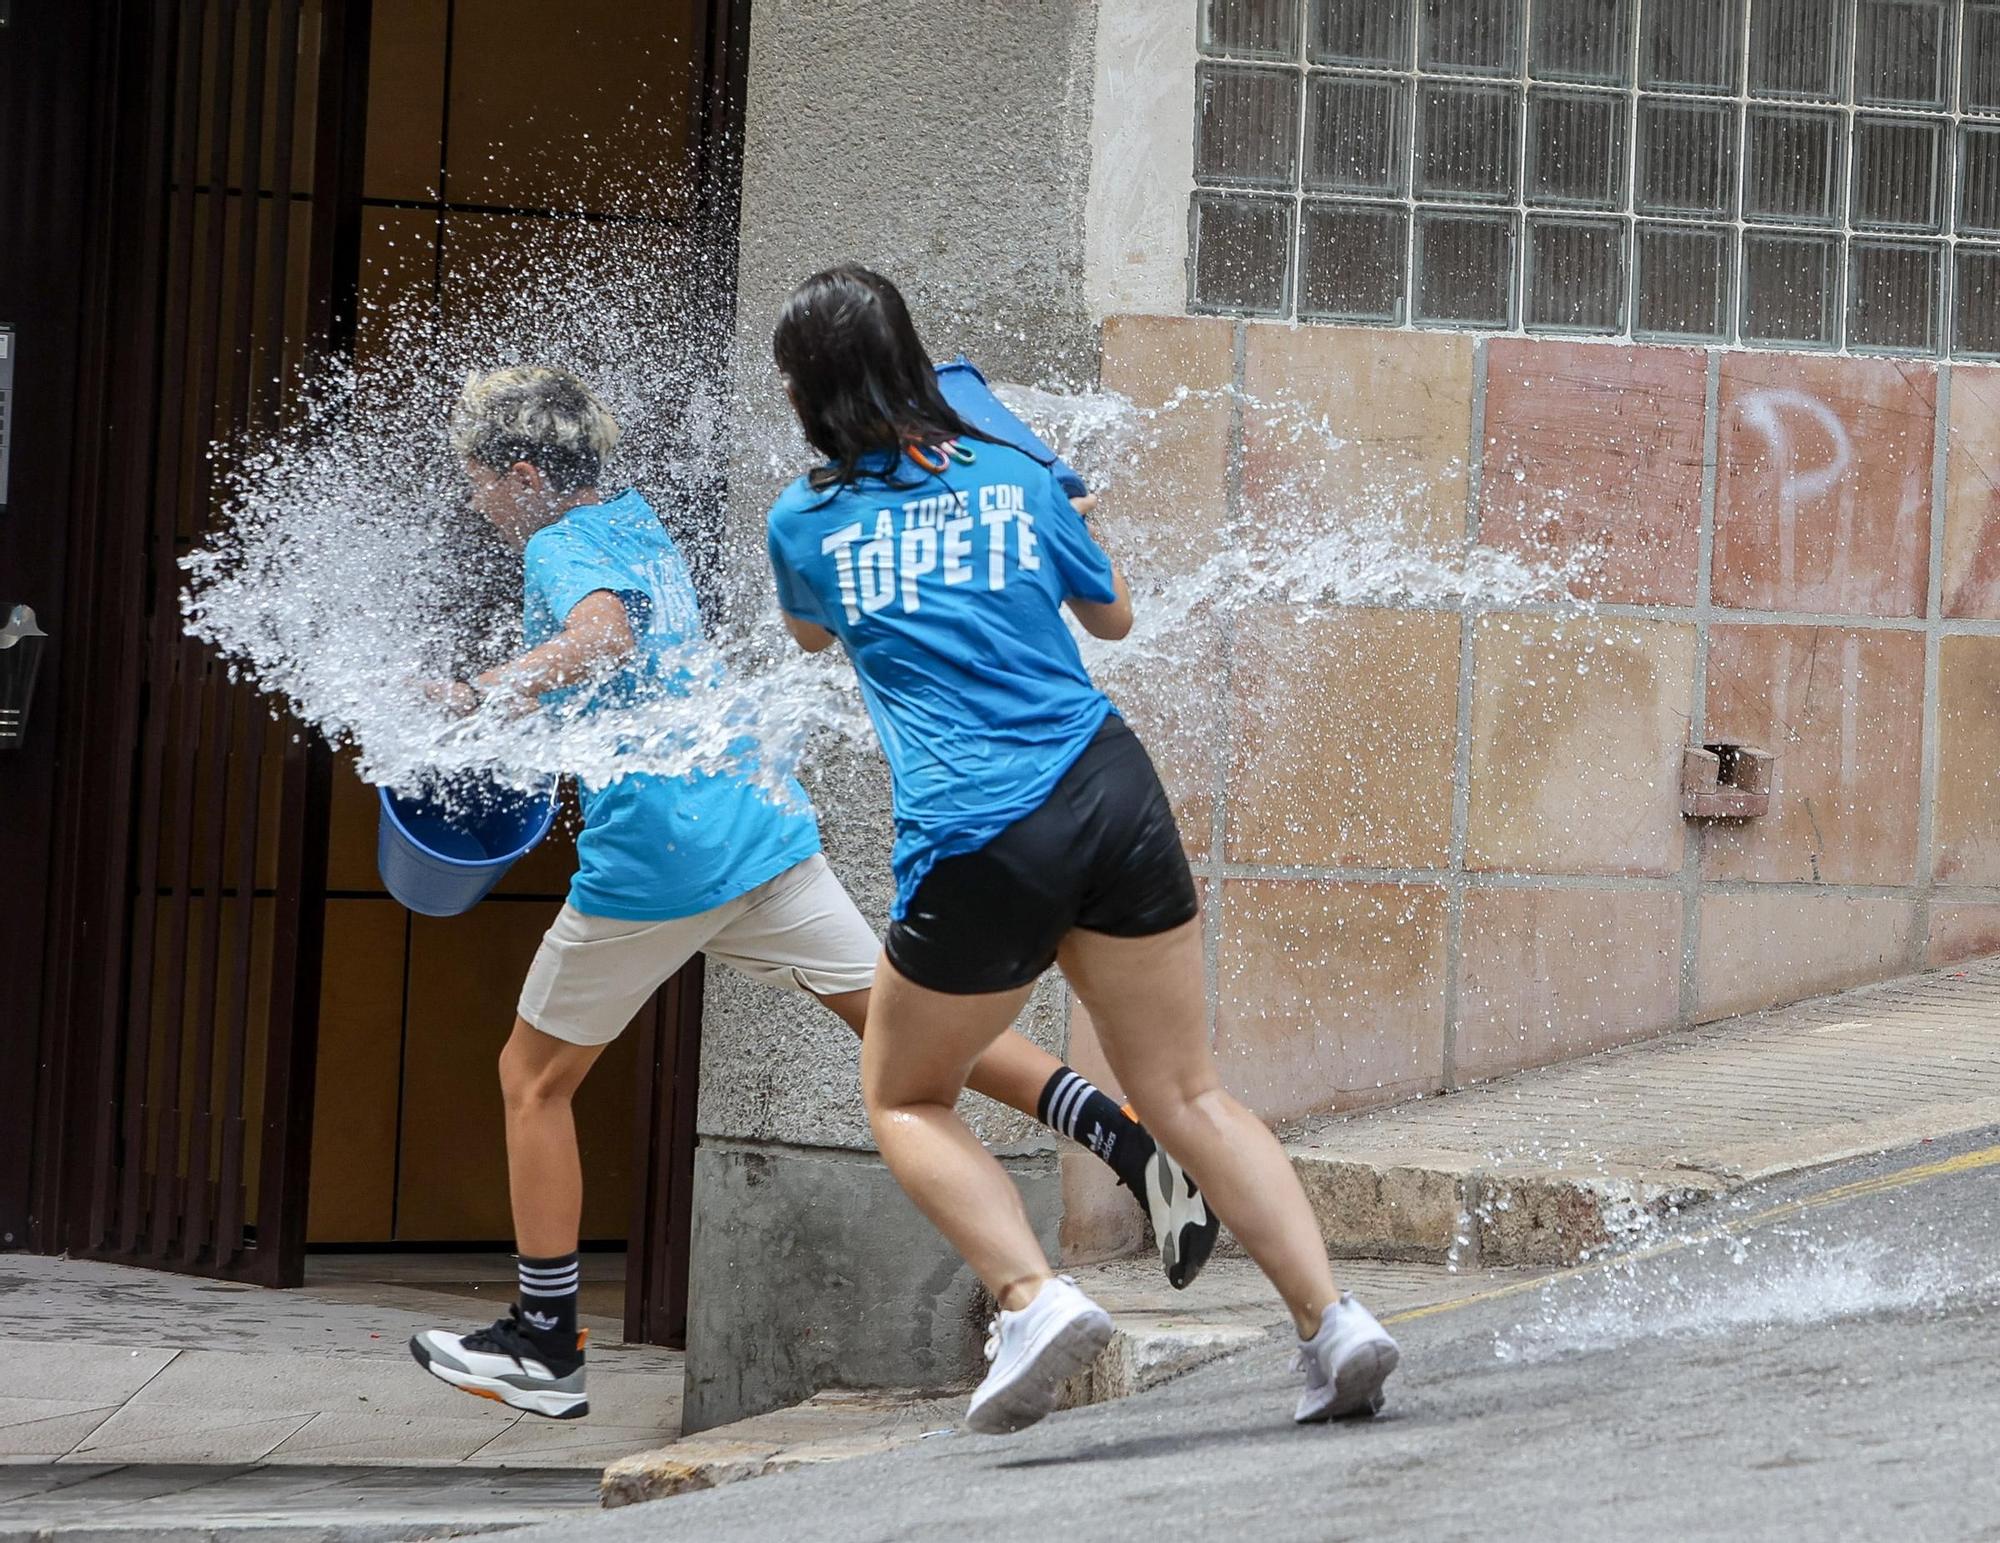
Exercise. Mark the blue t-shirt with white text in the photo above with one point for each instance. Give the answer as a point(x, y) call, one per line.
point(653, 848)
point(947, 591)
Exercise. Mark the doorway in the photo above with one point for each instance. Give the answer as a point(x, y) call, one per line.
point(246, 1049)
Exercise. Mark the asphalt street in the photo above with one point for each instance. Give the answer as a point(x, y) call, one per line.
point(1812, 1360)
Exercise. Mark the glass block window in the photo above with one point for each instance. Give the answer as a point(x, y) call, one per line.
point(1776, 173)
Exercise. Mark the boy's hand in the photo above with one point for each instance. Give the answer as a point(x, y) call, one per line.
point(503, 688)
point(454, 696)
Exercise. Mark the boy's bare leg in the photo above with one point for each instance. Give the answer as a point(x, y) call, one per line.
point(1146, 996)
point(915, 1056)
point(1013, 1070)
point(539, 1075)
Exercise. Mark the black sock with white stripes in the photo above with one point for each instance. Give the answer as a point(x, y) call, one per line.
point(1071, 1106)
point(548, 1303)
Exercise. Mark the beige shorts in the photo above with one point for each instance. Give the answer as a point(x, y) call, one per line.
point(800, 930)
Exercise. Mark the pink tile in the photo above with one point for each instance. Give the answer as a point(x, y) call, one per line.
point(1823, 491)
point(1963, 930)
point(1597, 448)
point(1547, 974)
point(1842, 712)
point(1332, 995)
point(1972, 494)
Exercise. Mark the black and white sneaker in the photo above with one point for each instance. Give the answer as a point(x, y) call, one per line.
point(1182, 1222)
point(502, 1363)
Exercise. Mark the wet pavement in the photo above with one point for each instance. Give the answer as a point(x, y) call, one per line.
point(1812, 1358)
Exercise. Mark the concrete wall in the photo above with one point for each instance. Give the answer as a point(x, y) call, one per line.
point(1443, 842)
point(946, 144)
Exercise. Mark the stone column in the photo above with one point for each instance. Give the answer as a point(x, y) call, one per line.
point(946, 143)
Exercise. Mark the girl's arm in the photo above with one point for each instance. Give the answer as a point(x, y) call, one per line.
point(1109, 621)
point(809, 635)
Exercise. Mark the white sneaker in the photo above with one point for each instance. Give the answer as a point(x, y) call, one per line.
point(1345, 1363)
point(1183, 1225)
point(1033, 1353)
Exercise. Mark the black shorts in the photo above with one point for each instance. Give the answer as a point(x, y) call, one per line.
point(1102, 853)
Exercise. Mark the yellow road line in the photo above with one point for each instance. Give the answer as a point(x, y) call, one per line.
point(1903, 1178)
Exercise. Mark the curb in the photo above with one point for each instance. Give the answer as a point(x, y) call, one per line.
point(839, 1424)
point(1448, 1210)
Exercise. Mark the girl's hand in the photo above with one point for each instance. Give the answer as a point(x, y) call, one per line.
point(1085, 505)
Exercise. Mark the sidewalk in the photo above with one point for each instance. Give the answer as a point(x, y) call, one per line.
point(1538, 1169)
point(106, 1364)
point(113, 1366)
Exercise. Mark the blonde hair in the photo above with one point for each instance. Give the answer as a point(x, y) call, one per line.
point(530, 412)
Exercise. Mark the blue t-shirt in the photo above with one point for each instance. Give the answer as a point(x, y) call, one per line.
point(653, 848)
point(947, 591)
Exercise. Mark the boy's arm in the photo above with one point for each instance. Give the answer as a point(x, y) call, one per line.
point(596, 639)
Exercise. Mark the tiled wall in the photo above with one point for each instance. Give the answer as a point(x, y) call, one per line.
point(1440, 844)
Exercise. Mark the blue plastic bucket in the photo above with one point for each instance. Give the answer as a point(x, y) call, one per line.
point(442, 859)
point(973, 400)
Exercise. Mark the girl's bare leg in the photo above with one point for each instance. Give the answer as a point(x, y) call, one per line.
point(915, 1056)
point(1146, 998)
point(1012, 1071)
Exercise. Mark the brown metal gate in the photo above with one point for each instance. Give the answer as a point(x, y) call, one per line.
point(199, 813)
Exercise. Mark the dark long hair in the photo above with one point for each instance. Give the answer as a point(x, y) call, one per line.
point(860, 378)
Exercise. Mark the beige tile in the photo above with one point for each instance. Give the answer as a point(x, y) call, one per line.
point(47, 1427)
point(90, 1374)
point(1344, 731)
point(1548, 974)
point(1963, 930)
point(1764, 948)
point(1972, 494)
point(347, 1436)
point(175, 1433)
point(637, 1398)
point(1967, 830)
point(1577, 732)
point(1842, 711)
point(406, 72)
point(1343, 423)
point(383, 1385)
point(1166, 509)
point(1332, 994)
point(567, 1443)
point(1175, 697)
point(353, 1188)
point(597, 121)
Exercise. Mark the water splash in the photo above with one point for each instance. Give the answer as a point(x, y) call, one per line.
point(1728, 1284)
point(345, 571)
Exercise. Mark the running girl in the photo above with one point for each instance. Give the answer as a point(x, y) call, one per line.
point(1030, 830)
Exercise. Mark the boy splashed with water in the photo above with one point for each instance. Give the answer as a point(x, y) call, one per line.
point(668, 867)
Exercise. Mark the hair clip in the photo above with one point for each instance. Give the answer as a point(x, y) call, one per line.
point(958, 452)
point(916, 453)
